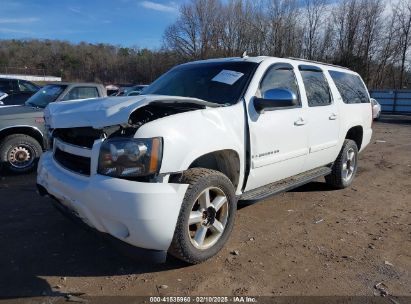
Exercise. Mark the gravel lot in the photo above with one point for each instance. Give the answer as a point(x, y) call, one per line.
point(311, 241)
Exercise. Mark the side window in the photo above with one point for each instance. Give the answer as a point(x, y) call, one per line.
point(5, 86)
point(8, 100)
point(81, 93)
point(316, 87)
point(280, 76)
point(25, 86)
point(350, 86)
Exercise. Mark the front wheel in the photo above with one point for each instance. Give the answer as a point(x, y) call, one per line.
point(206, 217)
point(345, 166)
point(19, 153)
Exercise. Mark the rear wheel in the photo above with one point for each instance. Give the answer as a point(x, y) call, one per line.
point(345, 166)
point(19, 153)
point(206, 217)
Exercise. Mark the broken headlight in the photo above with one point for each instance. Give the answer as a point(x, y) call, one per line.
point(130, 157)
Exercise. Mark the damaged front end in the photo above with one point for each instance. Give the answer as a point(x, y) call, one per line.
point(112, 150)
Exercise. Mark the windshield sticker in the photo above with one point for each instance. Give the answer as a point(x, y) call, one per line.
point(227, 76)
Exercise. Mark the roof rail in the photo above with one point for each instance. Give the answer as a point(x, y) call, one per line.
point(318, 62)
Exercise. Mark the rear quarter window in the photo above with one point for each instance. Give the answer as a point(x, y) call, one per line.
point(350, 87)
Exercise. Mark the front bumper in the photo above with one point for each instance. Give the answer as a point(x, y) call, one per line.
point(141, 214)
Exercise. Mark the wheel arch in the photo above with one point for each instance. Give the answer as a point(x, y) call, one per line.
point(26, 130)
point(356, 134)
point(225, 161)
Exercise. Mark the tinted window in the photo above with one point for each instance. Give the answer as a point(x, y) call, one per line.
point(217, 82)
point(350, 86)
point(5, 86)
point(81, 93)
point(45, 95)
point(8, 100)
point(316, 88)
point(26, 86)
point(277, 78)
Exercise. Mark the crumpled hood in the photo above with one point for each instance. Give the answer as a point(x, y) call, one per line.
point(103, 112)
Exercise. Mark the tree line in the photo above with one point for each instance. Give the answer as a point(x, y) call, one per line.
point(372, 37)
point(84, 61)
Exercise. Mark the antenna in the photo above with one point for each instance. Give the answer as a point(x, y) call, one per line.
point(244, 55)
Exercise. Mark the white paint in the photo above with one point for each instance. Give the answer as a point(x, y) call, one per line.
point(147, 210)
point(72, 149)
point(283, 143)
point(227, 77)
point(102, 112)
point(32, 77)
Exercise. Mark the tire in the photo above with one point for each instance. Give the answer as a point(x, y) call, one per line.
point(19, 153)
point(378, 117)
point(186, 244)
point(343, 170)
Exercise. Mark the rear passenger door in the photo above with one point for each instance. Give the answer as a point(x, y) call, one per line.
point(322, 117)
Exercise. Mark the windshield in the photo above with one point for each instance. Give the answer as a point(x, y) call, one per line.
point(45, 95)
point(217, 82)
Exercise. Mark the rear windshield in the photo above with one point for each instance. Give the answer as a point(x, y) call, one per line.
point(351, 87)
point(217, 82)
point(45, 95)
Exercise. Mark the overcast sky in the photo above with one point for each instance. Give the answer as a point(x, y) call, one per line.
point(119, 22)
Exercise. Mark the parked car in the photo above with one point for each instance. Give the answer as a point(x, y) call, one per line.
point(120, 90)
point(22, 130)
point(17, 90)
point(163, 171)
point(135, 91)
point(376, 109)
point(130, 90)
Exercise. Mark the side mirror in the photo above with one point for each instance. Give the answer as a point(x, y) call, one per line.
point(274, 99)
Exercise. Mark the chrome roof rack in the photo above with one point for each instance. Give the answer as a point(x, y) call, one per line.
point(318, 62)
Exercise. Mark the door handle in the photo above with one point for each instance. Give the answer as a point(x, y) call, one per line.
point(333, 116)
point(300, 122)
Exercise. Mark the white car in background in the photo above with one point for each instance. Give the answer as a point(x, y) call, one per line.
point(376, 109)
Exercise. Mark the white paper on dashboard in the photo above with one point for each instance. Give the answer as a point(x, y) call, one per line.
point(227, 76)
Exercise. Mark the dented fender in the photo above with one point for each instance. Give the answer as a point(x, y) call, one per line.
point(190, 135)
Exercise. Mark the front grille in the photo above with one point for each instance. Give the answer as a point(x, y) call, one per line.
point(82, 137)
point(73, 162)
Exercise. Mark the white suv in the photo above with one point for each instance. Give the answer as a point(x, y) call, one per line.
point(163, 171)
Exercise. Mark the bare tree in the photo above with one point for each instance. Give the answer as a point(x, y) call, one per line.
point(403, 13)
point(370, 34)
point(314, 11)
point(196, 33)
point(347, 23)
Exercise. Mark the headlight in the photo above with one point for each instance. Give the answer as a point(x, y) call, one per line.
point(130, 157)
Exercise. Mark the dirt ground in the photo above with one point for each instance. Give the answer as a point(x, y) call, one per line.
point(311, 241)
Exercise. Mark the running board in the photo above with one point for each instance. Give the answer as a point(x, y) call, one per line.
point(285, 184)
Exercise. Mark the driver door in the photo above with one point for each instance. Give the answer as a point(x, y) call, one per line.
point(278, 138)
